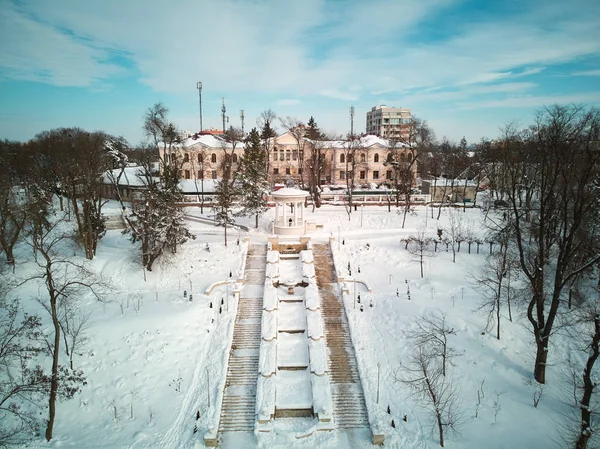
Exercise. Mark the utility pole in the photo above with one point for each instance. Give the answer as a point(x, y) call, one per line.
point(242, 117)
point(199, 87)
point(223, 110)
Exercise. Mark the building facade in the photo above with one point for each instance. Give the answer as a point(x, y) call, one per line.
point(391, 123)
point(289, 159)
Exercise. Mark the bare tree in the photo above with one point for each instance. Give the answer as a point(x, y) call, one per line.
point(420, 244)
point(552, 248)
point(22, 381)
point(352, 146)
point(297, 130)
point(266, 123)
point(431, 334)
point(423, 375)
point(64, 280)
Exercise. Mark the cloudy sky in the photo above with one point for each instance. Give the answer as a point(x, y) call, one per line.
point(468, 67)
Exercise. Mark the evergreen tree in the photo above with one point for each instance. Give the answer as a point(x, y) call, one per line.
point(156, 221)
point(313, 132)
point(267, 133)
point(252, 178)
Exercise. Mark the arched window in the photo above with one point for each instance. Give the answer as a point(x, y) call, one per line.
point(235, 158)
point(363, 158)
point(200, 158)
point(402, 157)
point(410, 157)
point(350, 157)
point(376, 157)
point(342, 158)
point(213, 158)
point(173, 157)
point(186, 157)
point(389, 157)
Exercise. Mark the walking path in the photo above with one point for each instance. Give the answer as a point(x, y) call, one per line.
point(239, 397)
point(349, 406)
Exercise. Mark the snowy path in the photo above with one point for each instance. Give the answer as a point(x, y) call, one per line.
point(348, 399)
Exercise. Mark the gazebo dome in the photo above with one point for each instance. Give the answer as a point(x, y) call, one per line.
point(289, 193)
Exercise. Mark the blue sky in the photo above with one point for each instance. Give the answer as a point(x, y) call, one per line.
point(467, 67)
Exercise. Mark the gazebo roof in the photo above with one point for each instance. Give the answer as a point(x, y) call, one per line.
point(288, 193)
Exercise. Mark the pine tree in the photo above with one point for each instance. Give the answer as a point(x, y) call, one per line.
point(252, 178)
point(313, 132)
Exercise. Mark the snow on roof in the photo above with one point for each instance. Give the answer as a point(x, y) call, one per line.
point(193, 186)
point(364, 142)
point(127, 176)
point(290, 192)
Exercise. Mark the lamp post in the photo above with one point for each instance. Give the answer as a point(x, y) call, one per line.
point(199, 87)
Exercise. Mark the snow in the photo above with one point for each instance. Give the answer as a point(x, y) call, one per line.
point(166, 357)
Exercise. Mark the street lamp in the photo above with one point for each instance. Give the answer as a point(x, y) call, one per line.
point(199, 87)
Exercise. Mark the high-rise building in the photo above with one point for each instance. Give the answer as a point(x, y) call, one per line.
point(391, 123)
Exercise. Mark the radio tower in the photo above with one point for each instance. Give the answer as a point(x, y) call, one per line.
point(223, 110)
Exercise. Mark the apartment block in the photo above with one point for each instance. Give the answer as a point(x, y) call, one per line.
point(391, 123)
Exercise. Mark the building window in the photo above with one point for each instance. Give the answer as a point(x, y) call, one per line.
point(402, 157)
point(235, 159)
point(213, 159)
point(375, 174)
point(363, 174)
point(186, 157)
point(200, 175)
point(187, 174)
point(342, 158)
point(287, 171)
point(376, 157)
point(275, 171)
point(388, 174)
point(214, 174)
point(299, 171)
point(173, 157)
point(288, 155)
point(295, 155)
point(200, 158)
point(275, 155)
point(363, 158)
point(342, 174)
point(282, 155)
point(409, 158)
point(389, 157)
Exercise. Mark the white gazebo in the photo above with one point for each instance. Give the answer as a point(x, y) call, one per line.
point(289, 211)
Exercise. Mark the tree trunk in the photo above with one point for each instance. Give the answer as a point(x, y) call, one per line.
point(54, 381)
point(440, 427)
point(588, 389)
point(541, 356)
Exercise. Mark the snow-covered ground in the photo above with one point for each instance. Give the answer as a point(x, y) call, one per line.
point(155, 358)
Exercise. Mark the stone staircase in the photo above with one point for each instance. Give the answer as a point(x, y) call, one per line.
point(349, 408)
point(239, 397)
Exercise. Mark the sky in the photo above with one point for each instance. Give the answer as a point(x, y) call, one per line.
point(467, 67)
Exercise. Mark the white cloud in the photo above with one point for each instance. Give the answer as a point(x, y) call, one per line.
point(533, 101)
point(35, 51)
point(587, 73)
point(293, 49)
